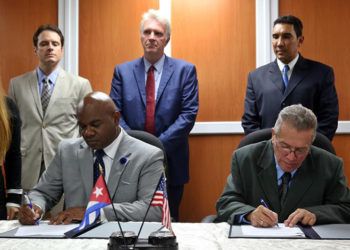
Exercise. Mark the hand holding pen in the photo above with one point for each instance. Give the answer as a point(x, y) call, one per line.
point(262, 216)
point(29, 213)
point(262, 201)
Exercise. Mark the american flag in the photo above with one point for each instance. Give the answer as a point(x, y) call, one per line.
point(160, 199)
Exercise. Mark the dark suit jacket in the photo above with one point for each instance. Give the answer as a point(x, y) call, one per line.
point(12, 162)
point(319, 186)
point(311, 84)
point(176, 108)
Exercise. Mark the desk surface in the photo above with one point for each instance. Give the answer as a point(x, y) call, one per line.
point(207, 236)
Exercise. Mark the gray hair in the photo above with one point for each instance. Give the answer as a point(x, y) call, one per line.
point(298, 117)
point(156, 15)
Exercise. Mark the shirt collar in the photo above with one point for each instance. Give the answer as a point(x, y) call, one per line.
point(52, 77)
point(291, 64)
point(112, 148)
point(158, 65)
point(280, 172)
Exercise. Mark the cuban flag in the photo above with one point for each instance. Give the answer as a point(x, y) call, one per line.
point(99, 198)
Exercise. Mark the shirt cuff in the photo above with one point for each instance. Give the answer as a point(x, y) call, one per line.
point(240, 219)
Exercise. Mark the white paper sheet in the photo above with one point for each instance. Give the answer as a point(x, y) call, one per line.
point(280, 231)
point(44, 229)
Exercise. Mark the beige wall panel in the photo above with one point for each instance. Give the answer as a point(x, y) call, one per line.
point(219, 38)
point(18, 21)
point(109, 35)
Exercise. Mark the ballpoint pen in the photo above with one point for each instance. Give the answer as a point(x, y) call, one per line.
point(30, 205)
point(265, 205)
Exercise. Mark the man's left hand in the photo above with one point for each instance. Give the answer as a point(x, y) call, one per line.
point(68, 215)
point(300, 215)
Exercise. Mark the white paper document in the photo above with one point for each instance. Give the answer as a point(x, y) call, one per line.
point(44, 229)
point(279, 232)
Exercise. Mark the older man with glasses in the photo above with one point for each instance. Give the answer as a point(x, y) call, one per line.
point(286, 179)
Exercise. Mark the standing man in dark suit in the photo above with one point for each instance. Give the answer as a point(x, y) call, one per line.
point(286, 179)
point(290, 79)
point(159, 94)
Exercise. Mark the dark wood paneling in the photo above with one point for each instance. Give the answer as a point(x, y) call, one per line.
point(326, 39)
point(109, 34)
point(18, 21)
point(210, 161)
point(219, 38)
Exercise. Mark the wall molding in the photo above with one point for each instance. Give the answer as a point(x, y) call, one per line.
point(68, 22)
point(234, 127)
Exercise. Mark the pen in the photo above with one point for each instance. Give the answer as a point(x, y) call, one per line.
point(262, 201)
point(30, 205)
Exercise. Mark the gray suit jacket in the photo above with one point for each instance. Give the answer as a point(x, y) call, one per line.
point(131, 183)
point(41, 134)
point(319, 186)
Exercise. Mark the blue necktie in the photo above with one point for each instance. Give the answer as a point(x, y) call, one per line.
point(285, 75)
point(99, 153)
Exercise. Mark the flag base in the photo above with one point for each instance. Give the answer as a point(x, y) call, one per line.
point(157, 240)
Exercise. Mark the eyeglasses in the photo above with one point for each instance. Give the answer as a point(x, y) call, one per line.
point(287, 149)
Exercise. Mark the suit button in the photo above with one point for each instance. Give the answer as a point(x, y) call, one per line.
point(40, 150)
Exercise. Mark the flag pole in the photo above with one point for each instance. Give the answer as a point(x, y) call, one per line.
point(149, 205)
point(110, 198)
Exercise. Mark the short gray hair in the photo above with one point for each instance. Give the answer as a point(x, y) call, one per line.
point(298, 117)
point(157, 15)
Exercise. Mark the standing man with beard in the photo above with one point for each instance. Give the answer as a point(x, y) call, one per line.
point(47, 98)
point(159, 94)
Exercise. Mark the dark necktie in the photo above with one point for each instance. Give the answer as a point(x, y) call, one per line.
point(283, 188)
point(150, 101)
point(45, 94)
point(285, 75)
point(99, 153)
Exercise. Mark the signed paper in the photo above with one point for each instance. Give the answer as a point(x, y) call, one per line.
point(278, 232)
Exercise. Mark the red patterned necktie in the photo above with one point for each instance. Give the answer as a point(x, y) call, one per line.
point(150, 101)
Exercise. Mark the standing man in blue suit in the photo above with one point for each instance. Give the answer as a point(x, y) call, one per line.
point(167, 107)
point(290, 79)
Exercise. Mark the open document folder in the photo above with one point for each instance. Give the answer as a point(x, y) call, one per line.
point(44, 228)
point(248, 231)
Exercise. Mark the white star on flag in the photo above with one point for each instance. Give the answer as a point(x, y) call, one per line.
point(98, 192)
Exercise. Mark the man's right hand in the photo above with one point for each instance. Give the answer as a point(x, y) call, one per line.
point(28, 216)
point(262, 217)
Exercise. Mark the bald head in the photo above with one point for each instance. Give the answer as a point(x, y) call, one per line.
point(97, 100)
point(98, 119)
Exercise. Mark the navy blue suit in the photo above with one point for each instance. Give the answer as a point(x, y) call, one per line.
point(311, 84)
point(176, 108)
